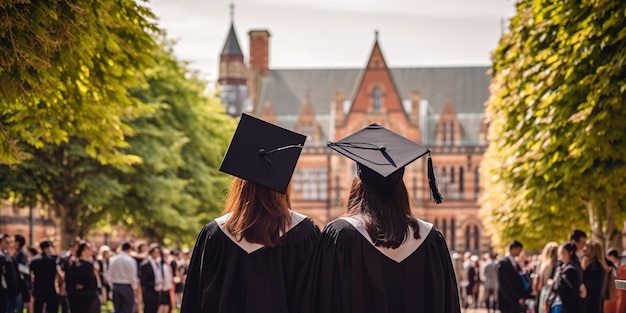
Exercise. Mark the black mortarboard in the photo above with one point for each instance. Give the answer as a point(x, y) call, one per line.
point(263, 153)
point(384, 152)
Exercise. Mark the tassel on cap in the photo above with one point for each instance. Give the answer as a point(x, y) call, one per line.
point(433, 182)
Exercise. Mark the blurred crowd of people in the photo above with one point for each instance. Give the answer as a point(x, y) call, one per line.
point(572, 277)
point(142, 278)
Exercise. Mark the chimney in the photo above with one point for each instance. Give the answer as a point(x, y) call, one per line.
point(259, 51)
point(416, 97)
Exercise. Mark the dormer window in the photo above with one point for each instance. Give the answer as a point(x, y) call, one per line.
point(376, 95)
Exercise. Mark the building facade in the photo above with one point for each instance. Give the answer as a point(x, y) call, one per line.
point(441, 108)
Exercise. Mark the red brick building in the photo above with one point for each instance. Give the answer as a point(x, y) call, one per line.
point(441, 108)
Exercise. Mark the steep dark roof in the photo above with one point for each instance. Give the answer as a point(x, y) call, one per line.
point(467, 88)
point(231, 46)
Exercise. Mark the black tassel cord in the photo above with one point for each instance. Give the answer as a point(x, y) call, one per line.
point(433, 182)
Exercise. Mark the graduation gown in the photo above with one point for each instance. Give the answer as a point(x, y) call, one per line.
point(352, 275)
point(226, 275)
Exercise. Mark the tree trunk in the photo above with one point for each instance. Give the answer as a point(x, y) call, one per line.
point(69, 225)
point(595, 221)
point(609, 228)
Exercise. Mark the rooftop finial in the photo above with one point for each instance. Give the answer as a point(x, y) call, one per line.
point(376, 34)
point(232, 11)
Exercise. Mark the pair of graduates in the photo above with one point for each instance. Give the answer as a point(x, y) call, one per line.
point(263, 257)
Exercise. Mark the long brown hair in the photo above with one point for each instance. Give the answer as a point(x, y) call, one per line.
point(259, 214)
point(383, 204)
point(597, 252)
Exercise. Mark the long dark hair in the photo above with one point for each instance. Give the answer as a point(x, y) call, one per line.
point(259, 214)
point(571, 250)
point(383, 204)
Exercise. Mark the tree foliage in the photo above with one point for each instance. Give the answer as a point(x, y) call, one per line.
point(65, 67)
point(177, 188)
point(557, 114)
point(168, 195)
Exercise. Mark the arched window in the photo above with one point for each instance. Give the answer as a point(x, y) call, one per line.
point(461, 182)
point(476, 238)
point(476, 183)
point(445, 134)
point(444, 228)
point(377, 94)
point(451, 141)
point(468, 236)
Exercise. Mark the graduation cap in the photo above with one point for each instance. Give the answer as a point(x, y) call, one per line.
point(384, 152)
point(263, 153)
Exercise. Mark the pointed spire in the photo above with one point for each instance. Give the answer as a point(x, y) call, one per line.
point(376, 34)
point(231, 46)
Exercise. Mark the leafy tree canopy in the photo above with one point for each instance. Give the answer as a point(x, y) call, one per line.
point(557, 114)
point(65, 67)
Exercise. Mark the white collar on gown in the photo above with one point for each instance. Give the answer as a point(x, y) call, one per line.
point(406, 249)
point(250, 247)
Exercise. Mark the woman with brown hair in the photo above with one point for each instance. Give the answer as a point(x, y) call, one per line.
point(379, 257)
point(594, 275)
point(252, 259)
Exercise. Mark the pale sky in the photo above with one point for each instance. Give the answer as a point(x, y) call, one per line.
point(338, 33)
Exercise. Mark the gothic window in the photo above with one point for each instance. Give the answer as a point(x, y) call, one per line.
point(468, 235)
point(461, 181)
point(306, 194)
point(377, 94)
point(322, 182)
point(451, 140)
point(444, 228)
point(445, 134)
point(297, 184)
point(452, 184)
point(476, 183)
point(476, 238)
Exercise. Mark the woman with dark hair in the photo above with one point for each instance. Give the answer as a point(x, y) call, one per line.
point(252, 258)
point(594, 276)
point(85, 295)
point(566, 284)
point(379, 257)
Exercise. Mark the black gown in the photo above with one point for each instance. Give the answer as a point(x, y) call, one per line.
point(352, 275)
point(229, 276)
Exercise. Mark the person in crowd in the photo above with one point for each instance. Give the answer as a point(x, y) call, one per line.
point(512, 284)
point(565, 296)
point(252, 258)
point(64, 262)
point(85, 294)
point(489, 274)
point(151, 273)
point(31, 252)
point(166, 295)
point(16, 305)
point(123, 277)
point(178, 269)
point(545, 272)
point(610, 299)
point(594, 276)
point(473, 274)
point(621, 294)
point(43, 267)
point(9, 277)
point(378, 257)
point(578, 238)
point(102, 262)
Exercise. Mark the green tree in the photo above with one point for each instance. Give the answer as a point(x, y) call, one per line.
point(65, 67)
point(167, 195)
point(557, 113)
point(177, 188)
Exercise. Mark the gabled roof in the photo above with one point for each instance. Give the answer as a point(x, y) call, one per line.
point(231, 46)
point(466, 87)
